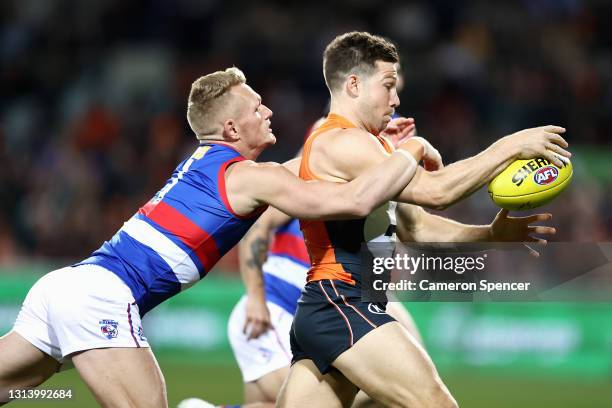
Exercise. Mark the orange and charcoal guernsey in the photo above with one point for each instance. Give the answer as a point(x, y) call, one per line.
point(334, 246)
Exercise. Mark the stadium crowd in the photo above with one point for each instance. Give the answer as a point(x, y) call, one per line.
point(93, 97)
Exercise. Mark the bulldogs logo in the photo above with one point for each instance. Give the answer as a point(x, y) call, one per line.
point(546, 175)
point(109, 328)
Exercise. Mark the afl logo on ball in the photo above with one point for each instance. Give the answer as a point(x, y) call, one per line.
point(546, 175)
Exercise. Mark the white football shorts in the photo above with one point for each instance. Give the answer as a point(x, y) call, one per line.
point(80, 308)
point(265, 354)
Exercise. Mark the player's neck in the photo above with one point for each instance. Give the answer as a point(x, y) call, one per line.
point(244, 150)
point(347, 112)
point(249, 152)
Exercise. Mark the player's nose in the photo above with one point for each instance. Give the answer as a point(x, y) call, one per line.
point(395, 100)
point(267, 112)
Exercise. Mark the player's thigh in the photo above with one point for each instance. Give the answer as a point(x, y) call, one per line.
point(392, 368)
point(265, 388)
point(363, 400)
point(23, 365)
point(263, 361)
point(306, 387)
point(397, 311)
point(253, 394)
point(122, 377)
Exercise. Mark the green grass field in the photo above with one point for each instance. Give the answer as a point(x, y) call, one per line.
point(221, 384)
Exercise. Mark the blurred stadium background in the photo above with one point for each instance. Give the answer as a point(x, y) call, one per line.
point(92, 108)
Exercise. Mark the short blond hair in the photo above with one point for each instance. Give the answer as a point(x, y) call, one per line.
point(207, 97)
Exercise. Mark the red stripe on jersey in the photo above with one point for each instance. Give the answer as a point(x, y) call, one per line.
point(292, 245)
point(187, 231)
point(223, 191)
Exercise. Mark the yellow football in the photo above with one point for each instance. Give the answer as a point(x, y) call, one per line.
point(527, 184)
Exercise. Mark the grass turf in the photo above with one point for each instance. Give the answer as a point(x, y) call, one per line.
point(221, 384)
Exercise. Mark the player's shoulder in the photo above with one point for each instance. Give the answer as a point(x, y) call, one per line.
point(249, 170)
point(342, 138)
point(340, 134)
point(343, 142)
point(249, 178)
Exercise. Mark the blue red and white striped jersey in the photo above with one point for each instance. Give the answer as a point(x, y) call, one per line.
point(286, 267)
point(175, 239)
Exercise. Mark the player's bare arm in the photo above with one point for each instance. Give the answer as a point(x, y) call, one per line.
point(253, 249)
point(441, 188)
point(320, 200)
point(414, 224)
point(293, 165)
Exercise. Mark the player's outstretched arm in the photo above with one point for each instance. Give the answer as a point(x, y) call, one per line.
point(444, 187)
point(251, 185)
point(252, 250)
point(414, 224)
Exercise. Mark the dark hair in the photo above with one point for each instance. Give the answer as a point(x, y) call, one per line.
point(355, 52)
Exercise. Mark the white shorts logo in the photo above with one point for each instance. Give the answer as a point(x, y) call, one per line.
point(374, 308)
point(109, 328)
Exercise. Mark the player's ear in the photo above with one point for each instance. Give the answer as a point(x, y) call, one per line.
point(230, 130)
point(352, 85)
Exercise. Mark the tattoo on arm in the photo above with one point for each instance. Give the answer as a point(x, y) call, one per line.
point(259, 247)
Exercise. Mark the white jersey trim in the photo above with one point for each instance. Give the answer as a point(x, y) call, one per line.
point(178, 260)
point(287, 270)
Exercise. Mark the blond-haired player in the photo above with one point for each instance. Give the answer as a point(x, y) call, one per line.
point(90, 312)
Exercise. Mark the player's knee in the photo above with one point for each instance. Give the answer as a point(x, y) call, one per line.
point(7, 382)
point(438, 396)
point(161, 396)
point(152, 399)
point(443, 398)
point(434, 396)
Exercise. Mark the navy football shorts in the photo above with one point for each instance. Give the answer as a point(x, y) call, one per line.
point(330, 318)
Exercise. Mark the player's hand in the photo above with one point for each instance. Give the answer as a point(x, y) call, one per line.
point(398, 130)
point(520, 229)
point(543, 141)
point(432, 160)
point(257, 320)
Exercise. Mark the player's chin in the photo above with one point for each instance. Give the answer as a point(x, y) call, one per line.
point(271, 139)
point(385, 121)
point(383, 124)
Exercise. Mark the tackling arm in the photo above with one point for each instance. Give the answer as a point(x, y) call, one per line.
point(251, 185)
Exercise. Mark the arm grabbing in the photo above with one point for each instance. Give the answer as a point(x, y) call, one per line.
point(251, 185)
